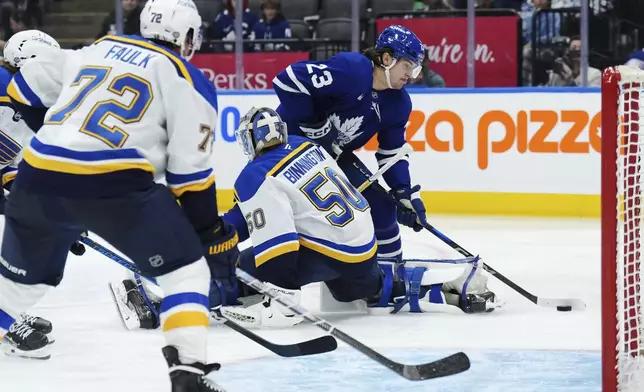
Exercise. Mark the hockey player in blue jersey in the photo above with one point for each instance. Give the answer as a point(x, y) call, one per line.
point(636, 59)
point(341, 103)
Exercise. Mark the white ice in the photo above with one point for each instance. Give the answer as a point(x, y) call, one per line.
point(548, 257)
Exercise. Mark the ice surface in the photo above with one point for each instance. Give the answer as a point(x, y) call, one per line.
point(519, 348)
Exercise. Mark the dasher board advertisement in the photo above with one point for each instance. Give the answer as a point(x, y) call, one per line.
point(532, 152)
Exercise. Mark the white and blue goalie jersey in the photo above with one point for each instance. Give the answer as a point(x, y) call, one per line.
point(123, 113)
point(296, 196)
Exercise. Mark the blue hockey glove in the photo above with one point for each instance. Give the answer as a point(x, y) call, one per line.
point(221, 251)
point(414, 214)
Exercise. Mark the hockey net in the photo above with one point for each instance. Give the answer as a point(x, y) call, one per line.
point(622, 220)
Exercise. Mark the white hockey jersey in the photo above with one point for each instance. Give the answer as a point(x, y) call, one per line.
point(14, 132)
point(296, 195)
point(122, 112)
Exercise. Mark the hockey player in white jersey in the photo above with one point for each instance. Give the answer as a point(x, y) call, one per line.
point(308, 224)
point(121, 113)
point(30, 335)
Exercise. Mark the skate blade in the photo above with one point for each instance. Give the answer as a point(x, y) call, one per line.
point(128, 318)
point(40, 354)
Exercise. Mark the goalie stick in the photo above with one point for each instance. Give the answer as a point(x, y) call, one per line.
point(319, 345)
point(453, 364)
point(555, 303)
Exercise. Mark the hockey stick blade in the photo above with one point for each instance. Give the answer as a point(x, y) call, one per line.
point(310, 347)
point(554, 303)
point(454, 364)
point(319, 345)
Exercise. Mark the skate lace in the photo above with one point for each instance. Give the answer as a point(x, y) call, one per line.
point(29, 319)
point(22, 330)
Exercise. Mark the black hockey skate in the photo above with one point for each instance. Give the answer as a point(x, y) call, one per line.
point(192, 377)
point(479, 303)
point(24, 341)
point(132, 307)
point(38, 323)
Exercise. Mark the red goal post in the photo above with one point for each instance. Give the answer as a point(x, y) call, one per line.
point(622, 190)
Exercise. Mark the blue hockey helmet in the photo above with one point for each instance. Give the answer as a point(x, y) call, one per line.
point(404, 44)
point(259, 129)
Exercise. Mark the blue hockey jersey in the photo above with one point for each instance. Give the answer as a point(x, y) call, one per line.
point(340, 89)
point(636, 59)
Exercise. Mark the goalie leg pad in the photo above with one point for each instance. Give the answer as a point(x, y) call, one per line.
point(267, 313)
point(382, 300)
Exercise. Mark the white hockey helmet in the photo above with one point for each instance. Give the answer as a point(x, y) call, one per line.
point(26, 45)
point(174, 21)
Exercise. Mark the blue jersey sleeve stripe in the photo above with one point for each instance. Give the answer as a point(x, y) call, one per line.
point(100, 155)
point(9, 149)
point(5, 320)
point(26, 91)
point(175, 300)
point(180, 179)
point(288, 237)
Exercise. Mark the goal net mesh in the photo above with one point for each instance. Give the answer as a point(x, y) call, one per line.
point(630, 188)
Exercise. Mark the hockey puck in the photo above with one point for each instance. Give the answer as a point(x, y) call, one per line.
point(564, 308)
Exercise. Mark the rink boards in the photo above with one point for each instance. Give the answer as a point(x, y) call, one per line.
point(525, 152)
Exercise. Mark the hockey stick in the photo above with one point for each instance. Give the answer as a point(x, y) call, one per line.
point(447, 366)
point(319, 345)
point(563, 304)
point(404, 150)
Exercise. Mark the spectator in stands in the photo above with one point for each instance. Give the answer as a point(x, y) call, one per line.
point(131, 20)
point(430, 5)
point(18, 21)
point(549, 24)
point(567, 69)
point(223, 28)
point(273, 25)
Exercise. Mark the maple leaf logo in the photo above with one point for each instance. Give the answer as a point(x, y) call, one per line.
point(348, 129)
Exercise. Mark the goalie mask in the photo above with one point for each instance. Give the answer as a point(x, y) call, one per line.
point(260, 129)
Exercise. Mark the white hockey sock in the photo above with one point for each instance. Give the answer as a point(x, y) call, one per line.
point(184, 310)
point(15, 298)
